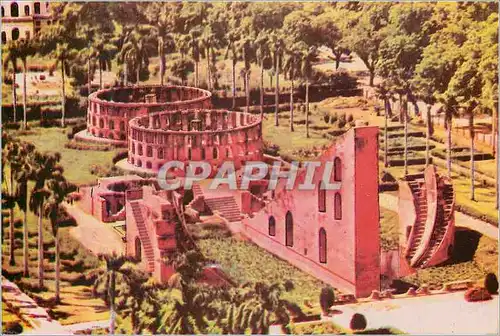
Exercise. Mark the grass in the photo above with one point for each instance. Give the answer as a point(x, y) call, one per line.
point(77, 163)
point(329, 328)
point(483, 261)
point(246, 262)
point(9, 316)
point(389, 229)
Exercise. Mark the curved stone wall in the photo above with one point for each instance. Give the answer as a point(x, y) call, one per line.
point(110, 110)
point(213, 136)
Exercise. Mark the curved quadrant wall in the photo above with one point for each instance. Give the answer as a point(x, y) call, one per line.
point(213, 136)
point(110, 110)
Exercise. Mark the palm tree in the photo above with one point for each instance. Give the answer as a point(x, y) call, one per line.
point(277, 45)
point(247, 52)
point(291, 67)
point(138, 47)
point(13, 154)
point(308, 57)
point(46, 167)
point(450, 106)
point(59, 191)
point(64, 55)
point(232, 51)
point(106, 282)
point(162, 17)
point(194, 47)
point(11, 56)
point(25, 49)
point(25, 174)
point(263, 56)
point(384, 94)
point(103, 51)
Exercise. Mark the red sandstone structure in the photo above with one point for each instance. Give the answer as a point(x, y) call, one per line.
point(331, 234)
point(110, 110)
point(213, 136)
point(427, 229)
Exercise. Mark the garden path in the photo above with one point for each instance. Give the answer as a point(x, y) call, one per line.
point(98, 237)
point(442, 314)
point(390, 202)
point(30, 311)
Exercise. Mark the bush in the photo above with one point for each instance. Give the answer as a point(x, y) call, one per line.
point(350, 118)
point(326, 118)
point(75, 129)
point(358, 322)
point(477, 294)
point(120, 156)
point(334, 118)
point(13, 328)
point(326, 299)
point(491, 283)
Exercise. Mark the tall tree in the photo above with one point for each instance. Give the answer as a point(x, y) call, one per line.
point(11, 56)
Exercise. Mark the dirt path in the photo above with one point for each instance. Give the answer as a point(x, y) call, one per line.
point(390, 202)
point(443, 314)
point(98, 237)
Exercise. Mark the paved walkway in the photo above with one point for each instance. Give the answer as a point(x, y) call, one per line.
point(30, 311)
point(79, 327)
point(98, 237)
point(390, 202)
point(442, 314)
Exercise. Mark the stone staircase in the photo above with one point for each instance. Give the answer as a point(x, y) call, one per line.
point(227, 207)
point(442, 221)
point(197, 191)
point(419, 227)
point(143, 234)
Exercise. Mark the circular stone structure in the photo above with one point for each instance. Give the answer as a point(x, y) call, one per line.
point(110, 110)
point(212, 136)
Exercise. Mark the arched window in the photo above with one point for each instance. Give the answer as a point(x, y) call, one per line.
point(228, 153)
point(138, 249)
point(321, 197)
point(14, 10)
point(189, 153)
point(139, 163)
point(4, 37)
point(133, 148)
point(37, 8)
point(122, 125)
point(27, 10)
point(203, 153)
point(337, 169)
point(15, 34)
point(3, 11)
point(149, 151)
point(111, 124)
point(338, 206)
point(288, 229)
point(149, 165)
point(214, 153)
point(322, 246)
point(101, 123)
point(139, 149)
point(160, 153)
point(272, 226)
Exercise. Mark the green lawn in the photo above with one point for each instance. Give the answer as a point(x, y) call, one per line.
point(77, 163)
point(389, 229)
point(246, 262)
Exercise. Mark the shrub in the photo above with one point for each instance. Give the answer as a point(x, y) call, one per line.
point(75, 129)
point(120, 156)
point(477, 294)
point(13, 328)
point(491, 283)
point(334, 118)
point(350, 118)
point(326, 299)
point(326, 118)
point(358, 322)
point(342, 123)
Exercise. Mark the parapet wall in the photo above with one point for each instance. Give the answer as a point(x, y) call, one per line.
point(213, 136)
point(110, 110)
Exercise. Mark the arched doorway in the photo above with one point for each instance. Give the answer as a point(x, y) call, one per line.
point(321, 197)
point(289, 229)
point(272, 226)
point(322, 246)
point(15, 34)
point(138, 249)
